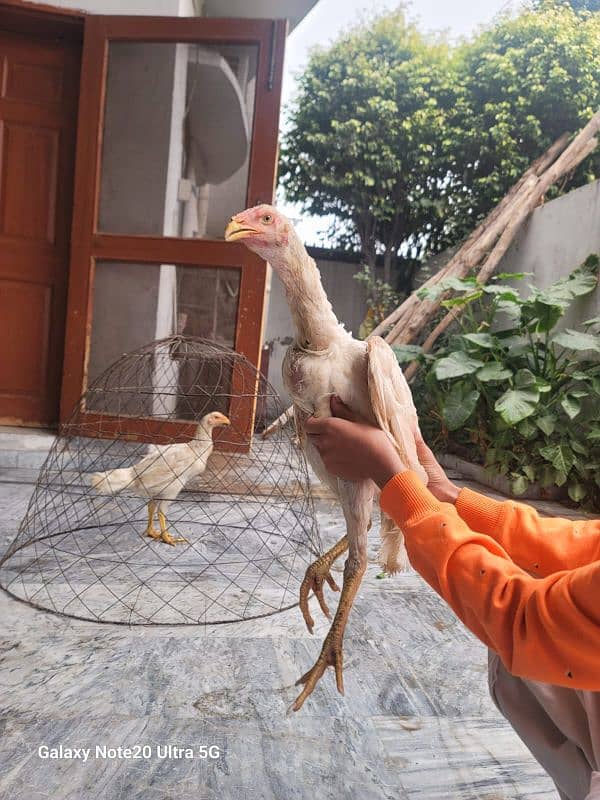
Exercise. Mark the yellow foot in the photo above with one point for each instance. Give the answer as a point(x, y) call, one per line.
point(152, 533)
point(314, 579)
point(331, 656)
point(166, 537)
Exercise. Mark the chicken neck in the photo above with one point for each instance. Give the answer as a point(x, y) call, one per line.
point(314, 320)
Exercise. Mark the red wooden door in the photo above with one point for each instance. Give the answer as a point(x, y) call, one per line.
point(38, 110)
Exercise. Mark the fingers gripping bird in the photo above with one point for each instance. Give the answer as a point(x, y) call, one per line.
point(163, 473)
point(325, 359)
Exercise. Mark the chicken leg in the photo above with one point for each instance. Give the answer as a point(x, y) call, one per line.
point(315, 577)
point(357, 502)
point(163, 534)
point(151, 530)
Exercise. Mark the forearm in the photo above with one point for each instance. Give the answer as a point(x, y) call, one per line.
point(547, 630)
point(540, 545)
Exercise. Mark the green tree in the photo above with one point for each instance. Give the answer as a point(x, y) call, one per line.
point(364, 141)
point(577, 5)
point(524, 81)
point(409, 143)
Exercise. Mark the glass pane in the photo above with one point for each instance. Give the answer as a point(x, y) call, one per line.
point(135, 304)
point(176, 142)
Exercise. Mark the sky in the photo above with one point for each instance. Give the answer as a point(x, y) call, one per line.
point(330, 17)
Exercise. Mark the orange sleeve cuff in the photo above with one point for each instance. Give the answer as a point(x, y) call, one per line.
point(482, 514)
point(405, 497)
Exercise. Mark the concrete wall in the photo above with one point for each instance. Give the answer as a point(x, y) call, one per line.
point(557, 238)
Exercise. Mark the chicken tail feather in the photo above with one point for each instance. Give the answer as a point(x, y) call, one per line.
point(115, 480)
point(392, 554)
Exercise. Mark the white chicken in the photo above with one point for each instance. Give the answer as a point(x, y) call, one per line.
point(162, 474)
point(325, 359)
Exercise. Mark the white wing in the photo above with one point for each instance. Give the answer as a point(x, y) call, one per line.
point(163, 472)
point(391, 401)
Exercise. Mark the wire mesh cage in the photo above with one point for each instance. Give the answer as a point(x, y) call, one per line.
point(137, 518)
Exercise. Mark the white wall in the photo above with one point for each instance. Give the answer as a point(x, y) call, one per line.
point(165, 8)
point(557, 238)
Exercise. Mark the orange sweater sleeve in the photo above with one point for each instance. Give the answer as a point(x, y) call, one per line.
point(545, 629)
point(539, 545)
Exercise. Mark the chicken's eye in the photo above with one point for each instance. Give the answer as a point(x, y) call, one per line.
point(267, 219)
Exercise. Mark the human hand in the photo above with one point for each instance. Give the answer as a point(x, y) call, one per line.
point(352, 448)
point(440, 486)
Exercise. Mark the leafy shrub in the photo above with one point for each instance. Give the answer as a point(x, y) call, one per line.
point(509, 391)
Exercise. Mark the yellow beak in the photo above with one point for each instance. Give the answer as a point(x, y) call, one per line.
point(235, 230)
point(221, 419)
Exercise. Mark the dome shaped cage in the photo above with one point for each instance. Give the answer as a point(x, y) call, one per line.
point(246, 525)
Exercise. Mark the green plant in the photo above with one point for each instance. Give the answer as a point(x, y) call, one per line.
point(510, 391)
point(381, 299)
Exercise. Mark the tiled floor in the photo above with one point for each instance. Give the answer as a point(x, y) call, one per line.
point(416, 721)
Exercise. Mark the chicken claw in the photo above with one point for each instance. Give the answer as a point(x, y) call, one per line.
point(314, 579)
point(165, 536)
point(331, 655)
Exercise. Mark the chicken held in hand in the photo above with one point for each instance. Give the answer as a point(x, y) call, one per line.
point(162, 474)
point(325, 360)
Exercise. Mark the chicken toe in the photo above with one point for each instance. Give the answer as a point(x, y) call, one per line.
point(316, 575)
point(331, 655)
point(165, 536)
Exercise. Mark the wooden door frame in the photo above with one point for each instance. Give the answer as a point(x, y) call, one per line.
point(43, 23)
point(42, 20)
point(89, 245)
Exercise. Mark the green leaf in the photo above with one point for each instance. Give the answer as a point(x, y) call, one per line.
point(515, 345)
point(544, 316)
point(548, 477)
point(546, 424)
point(455, 365)
point(577, 491)
point(529, 471)
point(511, 276)
point(560, 477)
point(510, 308)
point(560, 456)
point(519, 485)
point(579, 448)
point(575, 340)
point(406, 352)
point(524, 379)
point(571, 406)
point(493, 372)
point(485, 340)
point(459, 405)
point(519, 403)
point(527, 429)
point(462, 300)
